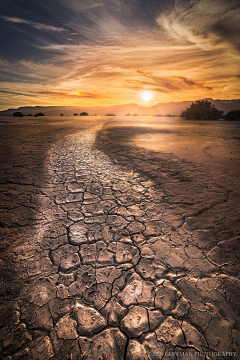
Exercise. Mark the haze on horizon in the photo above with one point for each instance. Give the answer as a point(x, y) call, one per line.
point(108, 52)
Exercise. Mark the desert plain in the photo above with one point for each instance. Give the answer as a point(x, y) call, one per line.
point(119, 238)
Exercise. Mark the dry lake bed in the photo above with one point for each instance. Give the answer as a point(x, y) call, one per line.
point(119, 238)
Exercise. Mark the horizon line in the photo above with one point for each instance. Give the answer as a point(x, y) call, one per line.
point(118, 105)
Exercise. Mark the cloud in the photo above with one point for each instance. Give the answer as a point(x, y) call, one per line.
point(171, 83)
point(88, 95)
point(114, 74)
point(208, 24)
point(15, 93)
point(84, 95)
point(30, 72)
point(111, 60)
point(77, 5)
point(36, 25)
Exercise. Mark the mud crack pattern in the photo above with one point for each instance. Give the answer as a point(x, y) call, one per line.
point(114, 275)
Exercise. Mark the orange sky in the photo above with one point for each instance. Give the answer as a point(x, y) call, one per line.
point(183, 56)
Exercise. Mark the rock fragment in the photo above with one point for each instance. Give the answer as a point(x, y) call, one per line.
point(88, 254)
point(43, 319)
point(89, 320)
point(109, 344)
point(107, 274)
point(135, 227)
point(181, 308)
point(66, 257)
point(66, 328)
point(62, 292)
point(155, 319)
point(70, 262)
point(166, 297)
point(149, 269)
point(128, 288)
point(177, 259)
point(135, 323)
point(136, 351)
point(124, 253)
point(114, 312)
point(146, 298)
point(43, 350)
point(40, 292)
point(170, 332)
point(193, 336)
point(78, 233)
point(60, 307)
point(161, 250)
point(154, 348)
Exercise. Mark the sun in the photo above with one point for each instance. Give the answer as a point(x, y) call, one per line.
point(147, 95)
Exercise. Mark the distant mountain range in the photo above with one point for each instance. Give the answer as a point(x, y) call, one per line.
point(172, 108)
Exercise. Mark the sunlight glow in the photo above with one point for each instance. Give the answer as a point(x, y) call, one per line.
point(147, 95)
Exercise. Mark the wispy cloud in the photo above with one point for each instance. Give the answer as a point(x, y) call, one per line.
point(208, 24)
point(81, 5)
point(106, 52)
point(108, 75)
point(30, 72)
point(36, 25)
point(68, 94)
point(171, 83)
point(16, 93)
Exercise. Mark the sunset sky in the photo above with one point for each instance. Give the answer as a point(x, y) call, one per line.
point(108, 52)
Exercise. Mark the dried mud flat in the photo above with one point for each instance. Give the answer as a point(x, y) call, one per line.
point(113, 251)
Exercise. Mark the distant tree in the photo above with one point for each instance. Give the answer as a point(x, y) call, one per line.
point(233, 115)
point(39, 114)
point(84, 113)
point(128, 114)
point(75, 114)
point(202, 110)
point(110, 115)
point(61, 115)
point(135, 114)
point(18, 113)
point(29, 114)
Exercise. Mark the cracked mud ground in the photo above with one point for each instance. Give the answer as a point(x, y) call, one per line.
point(112, 251)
